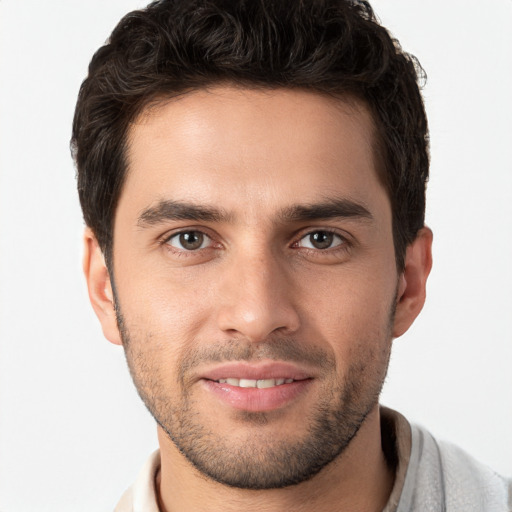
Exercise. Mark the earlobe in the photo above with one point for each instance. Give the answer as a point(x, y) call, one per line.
point(412, 282)
point(100, 287)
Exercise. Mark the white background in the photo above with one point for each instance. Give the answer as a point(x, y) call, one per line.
point(73, 433)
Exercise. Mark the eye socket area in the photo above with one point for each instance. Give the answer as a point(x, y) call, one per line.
point(193, 240)
point(189, 240)
point(320, 239)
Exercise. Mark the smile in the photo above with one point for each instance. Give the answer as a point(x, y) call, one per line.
point(257, 395)
point(251, 383)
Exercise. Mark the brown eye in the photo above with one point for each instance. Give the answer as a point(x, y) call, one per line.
point(321, 240)
point(189, 240)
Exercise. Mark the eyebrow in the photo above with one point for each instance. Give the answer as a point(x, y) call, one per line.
point(327, 209)
point(166, 210)
point(179, 210)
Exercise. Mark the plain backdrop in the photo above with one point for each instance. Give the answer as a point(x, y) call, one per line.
point(73, 433)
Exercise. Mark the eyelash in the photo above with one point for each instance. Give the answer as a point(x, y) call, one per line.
point(164, 241)
point(343, 245)
point(343, 242)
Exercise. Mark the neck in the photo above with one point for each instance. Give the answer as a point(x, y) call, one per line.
point(358, 480)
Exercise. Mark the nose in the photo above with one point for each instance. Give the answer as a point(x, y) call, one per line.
point(257, 298)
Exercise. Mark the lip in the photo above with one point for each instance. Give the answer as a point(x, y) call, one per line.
point(257, 399)
point(256, 371)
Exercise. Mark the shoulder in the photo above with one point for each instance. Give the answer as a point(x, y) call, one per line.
point(141, 496)
point(441, 476)
point(472, 484)
point(125, 504)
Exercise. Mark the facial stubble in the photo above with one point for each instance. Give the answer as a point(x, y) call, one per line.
point(261, 460)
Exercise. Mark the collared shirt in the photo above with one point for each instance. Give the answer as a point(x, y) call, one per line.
point(430, 476)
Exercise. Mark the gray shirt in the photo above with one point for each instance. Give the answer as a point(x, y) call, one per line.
point(441, 477)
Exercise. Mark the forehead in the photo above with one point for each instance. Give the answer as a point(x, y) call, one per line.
point(250, 148)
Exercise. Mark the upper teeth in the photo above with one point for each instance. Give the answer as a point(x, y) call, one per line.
point(250, 383)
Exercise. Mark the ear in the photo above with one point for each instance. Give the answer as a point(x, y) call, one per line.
point(99, 287)
point(412, 282)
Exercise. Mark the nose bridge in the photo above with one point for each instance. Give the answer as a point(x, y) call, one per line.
point(257, 297)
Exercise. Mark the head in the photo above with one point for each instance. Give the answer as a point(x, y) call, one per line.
point(254, 175)
point(333, 47)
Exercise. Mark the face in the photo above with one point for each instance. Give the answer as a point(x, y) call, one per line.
point(255, 279)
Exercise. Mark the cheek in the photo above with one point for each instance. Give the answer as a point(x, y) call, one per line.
point(167, 305)
point(351, 300)
point(160, 326)
point(353, 315)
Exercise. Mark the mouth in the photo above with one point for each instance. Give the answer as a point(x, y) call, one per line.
point(257, 387)
point(262, 374)
point(252, 383)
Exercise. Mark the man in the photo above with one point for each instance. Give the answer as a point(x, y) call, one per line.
point(252, 175)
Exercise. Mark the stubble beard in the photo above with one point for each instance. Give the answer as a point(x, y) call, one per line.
point(260, 461)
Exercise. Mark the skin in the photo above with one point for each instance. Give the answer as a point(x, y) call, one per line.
point(258, 290)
